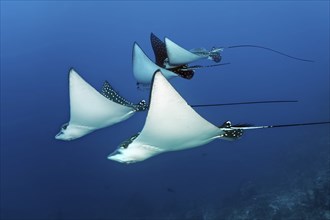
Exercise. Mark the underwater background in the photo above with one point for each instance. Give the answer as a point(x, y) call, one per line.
point(278, 173)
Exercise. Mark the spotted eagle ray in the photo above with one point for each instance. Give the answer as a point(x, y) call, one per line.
point(173, 125)
point(90, 110)
point(179, 56)
point(165, 53)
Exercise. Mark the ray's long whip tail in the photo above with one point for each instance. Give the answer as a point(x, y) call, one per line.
point(269, 49)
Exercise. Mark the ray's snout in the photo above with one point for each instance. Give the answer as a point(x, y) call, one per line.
point(62, 136)
point(120, 157)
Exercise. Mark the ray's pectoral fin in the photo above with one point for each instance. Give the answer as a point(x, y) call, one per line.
point(111, 94)
point(90, 110)
point(177, 55)
point(230, 133)
point(159, 49)
point(144, 67)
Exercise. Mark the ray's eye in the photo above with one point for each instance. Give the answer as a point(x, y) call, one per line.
point(65, 126)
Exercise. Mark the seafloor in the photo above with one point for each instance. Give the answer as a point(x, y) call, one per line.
point(304, 194)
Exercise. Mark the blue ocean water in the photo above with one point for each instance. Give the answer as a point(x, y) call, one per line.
point(272, 173)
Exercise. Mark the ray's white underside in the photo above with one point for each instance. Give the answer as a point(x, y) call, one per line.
point(90, 110)
point(179, 56)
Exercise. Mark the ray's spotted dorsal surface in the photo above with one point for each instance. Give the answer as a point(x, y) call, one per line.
point(159, 48)
point(90, 110)
point(173, 125)
point(113, 95)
